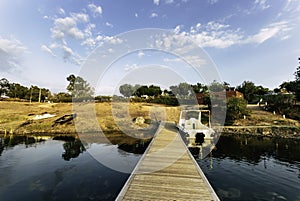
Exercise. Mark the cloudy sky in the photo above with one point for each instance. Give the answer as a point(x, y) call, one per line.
point(43, 41)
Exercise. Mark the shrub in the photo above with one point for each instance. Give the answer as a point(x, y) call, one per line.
point(236, 109)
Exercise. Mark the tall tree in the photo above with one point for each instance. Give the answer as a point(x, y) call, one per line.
point(4, 86)
point(297, 73)
point(154, 90)
point(217, 87)
point(79, 88)
point(199, 88)
point(126, 90)
point(293, 86)
point(181, 90)
point(141, 90)
point(36, 92)
point(18, 91)
point(248, 88)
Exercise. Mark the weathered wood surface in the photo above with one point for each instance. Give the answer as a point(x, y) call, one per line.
point(167, 171)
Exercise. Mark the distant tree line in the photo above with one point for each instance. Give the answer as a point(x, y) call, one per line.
point(17, 91)
point(78, 89)
point(282, 100)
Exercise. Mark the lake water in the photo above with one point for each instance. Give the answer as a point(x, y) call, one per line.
point(254, 168)
point(241, 168)
point(62, 169)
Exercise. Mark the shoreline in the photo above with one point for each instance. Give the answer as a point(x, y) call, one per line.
point(18, 119)
point(276, 131)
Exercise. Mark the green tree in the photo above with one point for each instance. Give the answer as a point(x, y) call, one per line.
point(289, 86)
point(199, 88)
point(79, 88)
point(293, 86)
point(216, 87)
point(236, 109)
point(4, 86)
point(18, 91)
point(250, 91)
point(127, 90)
point(297, 76)
point(61, 97)
point(182, 90)
point(154, 91)
point(297, 73)
point(35, 94)
point(141, 90)
point(281, 103)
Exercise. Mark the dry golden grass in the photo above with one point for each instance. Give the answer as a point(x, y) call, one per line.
point(260, 117)
point(109, 116)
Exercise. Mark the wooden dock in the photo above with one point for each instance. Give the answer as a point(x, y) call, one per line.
point(167, 171)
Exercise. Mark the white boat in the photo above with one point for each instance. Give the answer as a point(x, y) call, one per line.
point(195, 127)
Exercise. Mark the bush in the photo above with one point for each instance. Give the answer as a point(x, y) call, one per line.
point(283, 104)
point(166, 100)
point(236, 109)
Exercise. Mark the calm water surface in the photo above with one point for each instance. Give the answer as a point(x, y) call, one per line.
point(61, 169)
point(254, 168)
point(241, 168)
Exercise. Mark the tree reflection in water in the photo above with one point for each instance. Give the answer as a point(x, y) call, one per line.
point(73, 146)
point(72, 149)
point(13, 140)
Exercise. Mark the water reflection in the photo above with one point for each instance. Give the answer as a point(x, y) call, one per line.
point(61, 167)
point(257, 148)
point(254, 168)
point(11, 141)
point(73, 146)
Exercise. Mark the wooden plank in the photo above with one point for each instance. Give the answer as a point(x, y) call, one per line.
point(167, 171)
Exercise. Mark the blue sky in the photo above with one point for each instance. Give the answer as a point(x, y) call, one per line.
point(43, 41)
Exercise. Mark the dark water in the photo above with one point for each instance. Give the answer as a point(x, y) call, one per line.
point(61, 168)
point(254, 168)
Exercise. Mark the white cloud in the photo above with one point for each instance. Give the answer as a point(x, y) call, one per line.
point(169, 1)
point(66, 27)
point(61, 11)
point(11, 51)
point(212, 1)
point(45, 48)
point(96, 10)
point(262, 4)
point(270, 31)
point(168, 60)
point(112, 40)
point(109, 24)
point(153, 15)
point(156, 2)
point(141, 54)
point(177, 29)
point(89, 29)
point(90, 42)
point(217, 35)
point(76, 28)
point(71, 56)
point(136, 15)
point(214, 34)
point(131, 67)
point(80, 17)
